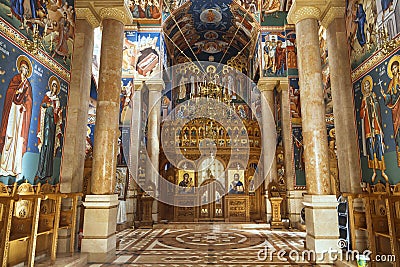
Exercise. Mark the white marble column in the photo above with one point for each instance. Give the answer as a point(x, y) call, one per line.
point(343, 110)
point(266, 87)
point(342, 97)
point(99, 239)
point(135, 137)
point(153, 140)
point(71, 178)
point(319, 201)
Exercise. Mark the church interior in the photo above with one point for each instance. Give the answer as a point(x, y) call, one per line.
point(200, 132)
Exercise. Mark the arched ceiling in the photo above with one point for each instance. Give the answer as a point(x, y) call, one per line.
point(210, 30)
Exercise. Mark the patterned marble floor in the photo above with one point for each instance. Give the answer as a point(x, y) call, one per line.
point(205, 246)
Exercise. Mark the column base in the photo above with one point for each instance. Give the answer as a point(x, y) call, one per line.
point(154, 211)
point(63, 242)
point(99, 227)
point(295, 205)
point(268, 208)
point(130, 208)
point(94, 257)
point(322, 234)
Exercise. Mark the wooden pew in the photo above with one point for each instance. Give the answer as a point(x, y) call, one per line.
point(30, 219)
point(68, 217)
point(6, 210)
point(49, 219)
point(20, 240)
point(381, 219)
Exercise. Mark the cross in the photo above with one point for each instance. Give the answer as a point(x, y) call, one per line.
point(380, 83)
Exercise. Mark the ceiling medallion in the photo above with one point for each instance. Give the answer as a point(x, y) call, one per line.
point(211, 35)
point(211, 15)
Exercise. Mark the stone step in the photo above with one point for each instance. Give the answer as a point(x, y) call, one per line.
point(65, 260)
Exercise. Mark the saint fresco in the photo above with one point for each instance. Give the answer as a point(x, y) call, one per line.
point(32, 108)
point(376, 96)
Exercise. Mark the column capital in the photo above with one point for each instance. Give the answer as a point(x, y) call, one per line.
point(335, 9)
point(138, 85)
point(89, 15)
point(303, 9)
point(267, 84)
point(155, 85)
point(121, 14)
point(283, 85)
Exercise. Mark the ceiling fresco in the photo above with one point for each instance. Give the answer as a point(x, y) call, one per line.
point(213, 30)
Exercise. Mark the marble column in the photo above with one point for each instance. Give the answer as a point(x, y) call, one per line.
point(319, 201)
point(77, 113)
point(343, 110)
point(343, 105)
point(134, 149)
point(266, 87)
point(287, 139)
point(153, 141)
point(99, 239)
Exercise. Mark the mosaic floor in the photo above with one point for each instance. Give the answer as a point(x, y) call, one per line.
point(215, 245)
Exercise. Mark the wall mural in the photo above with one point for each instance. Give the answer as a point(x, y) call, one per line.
point(91, 119)
point(126, 100)
point(146, 11)
point(389, 16)
point(141, 54)
point(170, 6)
point(36, 41)
point(291, 52)
point(297, 136)
point(376, 97)
point(294, 96)
point(48, 25)
point(299, 165)
point(273, 12)
point(33, 101)
point(274, 54)
point(166, 101)
point(252, 6)
point(370, 25)
point(130, 52)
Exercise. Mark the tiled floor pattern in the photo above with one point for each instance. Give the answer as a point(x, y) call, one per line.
point(212, 246)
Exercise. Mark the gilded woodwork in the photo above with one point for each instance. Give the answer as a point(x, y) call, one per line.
point(380, 219)
point(187, 140)
point(7, 207)
point(30, 219)
point(237, 208)
point(276, 195)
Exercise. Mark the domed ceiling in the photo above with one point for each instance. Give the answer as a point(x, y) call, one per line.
point(210, 30)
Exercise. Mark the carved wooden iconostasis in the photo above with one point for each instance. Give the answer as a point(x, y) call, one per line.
point(213, 194)
point(210, 182)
